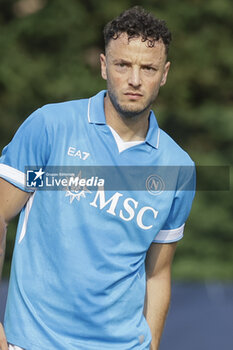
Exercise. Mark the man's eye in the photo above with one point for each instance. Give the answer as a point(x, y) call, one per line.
point(121, 65)
point(149, 69)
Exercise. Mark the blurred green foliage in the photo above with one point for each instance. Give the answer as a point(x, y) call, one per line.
point(50, 53)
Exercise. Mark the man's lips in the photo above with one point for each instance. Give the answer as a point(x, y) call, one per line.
point(133, 95)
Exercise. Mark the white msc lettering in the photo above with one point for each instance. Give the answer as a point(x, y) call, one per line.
point(129, 206)
point(113, 200)
point(140, 216)
point(74, 152)
point(129, 209)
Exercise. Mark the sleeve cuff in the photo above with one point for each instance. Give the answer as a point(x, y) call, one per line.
point(169, 236)
point(14, 176)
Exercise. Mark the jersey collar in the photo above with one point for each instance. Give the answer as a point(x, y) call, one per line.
point(95, 111)
point(96, 115)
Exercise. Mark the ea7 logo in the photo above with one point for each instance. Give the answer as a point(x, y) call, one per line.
point(75, 152)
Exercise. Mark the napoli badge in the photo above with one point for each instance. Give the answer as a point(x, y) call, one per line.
point(155, 185)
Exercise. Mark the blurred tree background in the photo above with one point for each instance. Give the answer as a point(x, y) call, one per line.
point(50, 53)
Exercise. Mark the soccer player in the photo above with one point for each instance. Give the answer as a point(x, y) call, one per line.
point(91, 268)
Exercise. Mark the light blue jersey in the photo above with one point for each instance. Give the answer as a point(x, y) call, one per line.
point(78, 275)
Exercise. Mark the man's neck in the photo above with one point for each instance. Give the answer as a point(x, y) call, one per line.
point(129, 129)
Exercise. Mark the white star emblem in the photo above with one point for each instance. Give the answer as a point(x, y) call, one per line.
point(39, 174)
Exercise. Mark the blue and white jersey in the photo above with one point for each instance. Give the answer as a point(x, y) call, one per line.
point(78, 274)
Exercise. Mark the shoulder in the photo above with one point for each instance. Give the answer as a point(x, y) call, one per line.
point(56, 116)
point(179, 163)
point(63, 110)
point(172, 152)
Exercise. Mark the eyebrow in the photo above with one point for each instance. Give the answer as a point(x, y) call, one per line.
point(122, 60)
point(151, 65)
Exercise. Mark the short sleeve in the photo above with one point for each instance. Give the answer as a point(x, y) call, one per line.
point(29, 147)
point(173, 229)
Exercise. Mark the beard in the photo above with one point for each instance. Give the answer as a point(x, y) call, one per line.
point(127, 111)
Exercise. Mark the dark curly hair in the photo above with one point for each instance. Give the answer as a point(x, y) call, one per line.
point(136, 22)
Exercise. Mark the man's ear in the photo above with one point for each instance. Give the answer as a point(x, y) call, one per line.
point(165, 73)
point(103, 66)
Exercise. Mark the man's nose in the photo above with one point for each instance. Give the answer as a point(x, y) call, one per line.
point(134, 77)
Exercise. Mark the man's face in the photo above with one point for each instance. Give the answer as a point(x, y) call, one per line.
point(134, 74)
